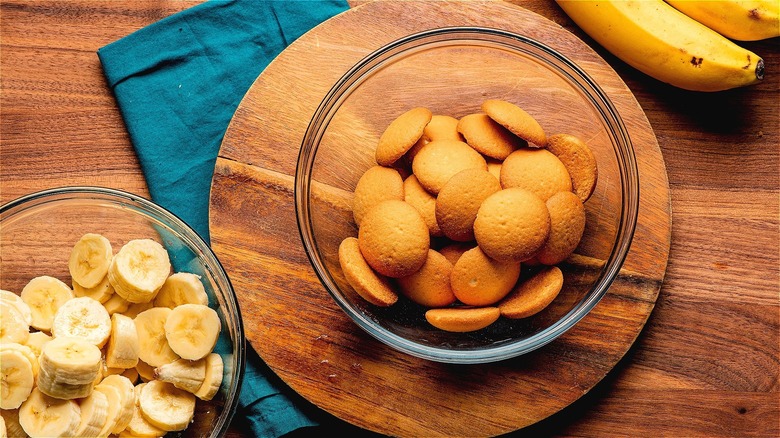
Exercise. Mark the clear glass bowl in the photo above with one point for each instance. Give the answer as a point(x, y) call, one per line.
point(452, 71)
point(38, 231)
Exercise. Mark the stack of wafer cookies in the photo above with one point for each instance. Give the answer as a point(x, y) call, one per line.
point(485, 195)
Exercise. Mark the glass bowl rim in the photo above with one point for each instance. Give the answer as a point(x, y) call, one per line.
point(116, 195)
point(629, 179)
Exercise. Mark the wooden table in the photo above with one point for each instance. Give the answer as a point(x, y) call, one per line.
point(708, 360)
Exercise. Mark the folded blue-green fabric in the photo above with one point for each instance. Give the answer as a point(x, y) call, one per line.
point(177, 83)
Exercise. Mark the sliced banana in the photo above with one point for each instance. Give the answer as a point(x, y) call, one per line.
point(16, 378)
point(44, 416)
point(132, 374)
point(44, 295)
point(140, 426)
point(150, 325)
point(188, 375)
point(102, 292)
point(165, 406)
point(123, 344)
point(36, 341)
point(68, 367)
point(181, 288)
point(125, 390)
point(18, 302)
point(192, 330)
point(116, 304)
point(144, 371)
point(89, 259)
point(13, 326)
point(213, 380)
point(26, 352)
point(114, 400)
point(12, 427)
point(83, 318)
point(135, 308)
point(139, 269)
point(94, 413)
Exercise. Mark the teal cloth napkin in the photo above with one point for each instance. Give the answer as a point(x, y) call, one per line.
point(177, 83)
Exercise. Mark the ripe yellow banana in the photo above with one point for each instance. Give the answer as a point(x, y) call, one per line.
point(743, 20)
point(662, 42)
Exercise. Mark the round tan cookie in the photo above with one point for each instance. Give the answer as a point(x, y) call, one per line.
point(533, 294)
point(579, 161)
point(401, 135)
point(488, 137)
point(459, 200)
point(537, 170)
point(462, 319)
point(515, 119)
point(567, 223)
point(377, 184)
point(454, 250)
point(478, 280)
point(494, 167)
point(430, 286)
point(394, 239)
point(512, 225)
point(442, 127)
point(439, 128)
point(419, 198)
point(368, 284)
point(439, 160)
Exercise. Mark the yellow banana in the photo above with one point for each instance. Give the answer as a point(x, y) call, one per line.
point(664, 43)
point(743, 20)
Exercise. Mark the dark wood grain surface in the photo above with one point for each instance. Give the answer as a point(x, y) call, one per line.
point(707, 361)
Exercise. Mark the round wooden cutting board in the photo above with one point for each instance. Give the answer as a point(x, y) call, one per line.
point(303, 335)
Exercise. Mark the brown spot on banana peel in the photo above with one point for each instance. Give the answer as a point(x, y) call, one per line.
point(754, 14)
point(696, 62)
point(759, 68)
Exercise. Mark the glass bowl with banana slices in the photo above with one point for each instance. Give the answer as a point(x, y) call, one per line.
point(116, 318)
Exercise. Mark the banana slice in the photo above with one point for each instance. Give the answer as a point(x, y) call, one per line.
point(145, 371)
point(165, 406)
point(139, 269)
point(132, 374)
point(94, 413)
point(36, 341)
point(123, 345)
point(150, 325)
point(16, 301)
point(188, 375)
point(12, 427)
point(44, 416)
point(69, 361)
point(84, 318)
point(124, 399)
point(140, 426)
point(135, 308)
point(181, 288)
point(116, 304)
point(102, 292)
point(13, 326)
point(52, 387)
point(16, 378)
point(89, 259)
point(114, 401)
point(192, 330)
point(213, 380)
point(26, 352)
point(44, 295)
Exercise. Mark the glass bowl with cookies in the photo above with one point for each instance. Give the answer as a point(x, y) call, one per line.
point(466, 195)
point(117, 319)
